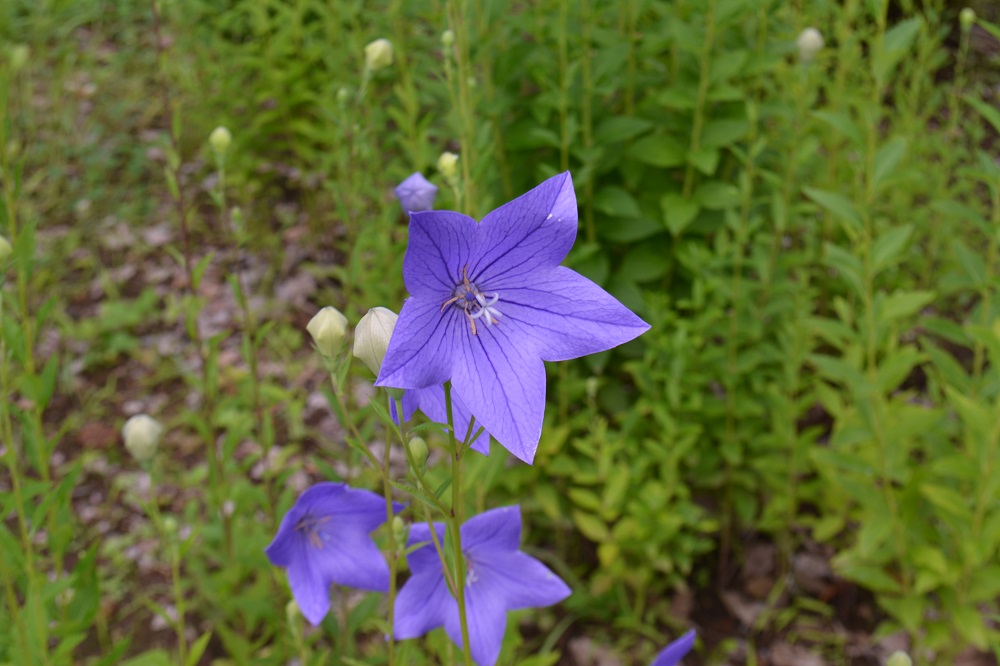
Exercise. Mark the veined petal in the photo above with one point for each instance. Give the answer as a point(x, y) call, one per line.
point(424, 602)
point(310, 589)
point(501, 379)
point(346, 509)
point(532, 232)
point(422, 345)
point(349, 559)
point(675, 651)
point(496, 530)
point(524, 581)
point(567, 315)
point(286, 546)
point(487, 618)
point(441, 243)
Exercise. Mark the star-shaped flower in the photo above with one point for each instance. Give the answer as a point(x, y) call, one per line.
point(489, 302)
point(499, 578)
point(416, 193)
point(674, 652)
point(324, 539)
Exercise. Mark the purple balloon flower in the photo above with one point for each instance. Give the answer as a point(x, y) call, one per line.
point(324, 539)
point(489, 302)
point(431, 402)
point(416, 193)
point(499, 578)
point(674, 652)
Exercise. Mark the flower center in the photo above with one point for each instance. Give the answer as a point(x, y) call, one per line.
point(310, 526)
point(474, 303)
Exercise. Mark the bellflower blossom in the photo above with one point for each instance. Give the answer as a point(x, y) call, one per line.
point(499, 578)
point(489, 302)
point(416, 193)
point(324, 539)
point(674, 652)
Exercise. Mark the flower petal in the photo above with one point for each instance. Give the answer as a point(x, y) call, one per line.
point(350, 559)
point(440, 245)
point(525, 582)
point(496, 530)
point(424, 602)
point(421, 348)
point(532, 232)
point(287, 543)
point(674, 652)
point(487, 618)
point(310, 589)
point(349, 509)
point(566, 315)
point(502, 382)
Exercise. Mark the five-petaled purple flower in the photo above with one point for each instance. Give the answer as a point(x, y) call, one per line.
point(674, 652)
point(416, 193)
point(499, 578)
point(489, 302)
point(324, 539)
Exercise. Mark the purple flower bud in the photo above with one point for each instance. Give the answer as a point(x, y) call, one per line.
point(416, 193)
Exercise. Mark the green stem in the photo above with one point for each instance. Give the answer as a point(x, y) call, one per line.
point(459, 11)
point(455, 523)
point(393, 554)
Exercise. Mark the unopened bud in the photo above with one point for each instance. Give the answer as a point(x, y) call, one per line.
point(447, 39)
point(371, 337)
point(966, 18)
point(170, 525)
point(327, 329)
point(418, 448)
point(343, 96)
point(899, 658)
point(292, 613)
point(220, 139)
point(142, 436)
point(810, 43)
point(398, 529)
point(448, 165)
point(416, 193)
point(378, 55)
point(6, 249)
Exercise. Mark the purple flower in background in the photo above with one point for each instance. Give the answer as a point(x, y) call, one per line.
point(431, 402)
point(499, 578)
point(416, 193)
point(489, 302)
point(674, 652)
point(323, 539)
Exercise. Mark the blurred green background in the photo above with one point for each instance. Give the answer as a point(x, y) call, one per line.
point(801, 459)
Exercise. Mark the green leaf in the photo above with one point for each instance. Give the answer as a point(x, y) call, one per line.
point(888, 248)
point(887, 159)
point(616, 202)
point(969, 622)
point(713, 195)
point(678, 212)
point(841, 208)
point(846, 264)
point(989, 113)
point(620, 128)
point(198, 648)
point(591, 526)
point(971, 262)
point(896, 43)
point(843, 124)
point(902, 304)
point(872, 577)
point(704, 160)
point(948, 500)
point(658, 150)
point(722, 133)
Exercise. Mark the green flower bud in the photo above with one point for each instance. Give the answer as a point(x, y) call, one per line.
point(220, 139)
point(447, 164)
point(142, 436)
point(447, 39)
point(327, 329)
point(6, 249)
point(170, 525)
point(418, 447)
point(371, 337)
point(398, 530)
point(966, 18)
point(899, 658)
point(378, 55)
point(19, 54)
point(292, 613)
point(810, 43)
point(343, 96)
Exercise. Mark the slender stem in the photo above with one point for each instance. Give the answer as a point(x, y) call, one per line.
point(455, 522)
point(393, 554)
point(459, 12)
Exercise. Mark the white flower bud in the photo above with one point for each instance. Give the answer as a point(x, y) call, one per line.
point(371, 337)
point(6, 249)
point(447, 39)
point(899, 658)
point(219, 139)
point(378, 55)
point(418, 448)
point(966, 18)
point(327, 329)
point(448, 165)
point(142, 436)
point(810, 42)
